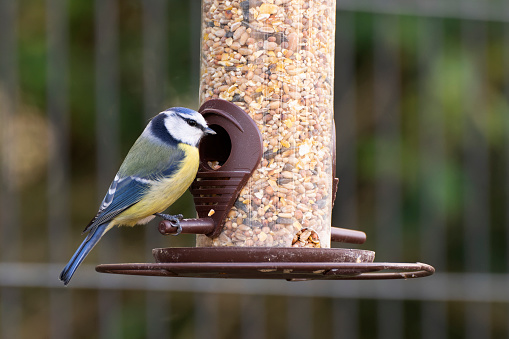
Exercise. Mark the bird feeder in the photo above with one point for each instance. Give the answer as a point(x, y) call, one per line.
point(266, 183)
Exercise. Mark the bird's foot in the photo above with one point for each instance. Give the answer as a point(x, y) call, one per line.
point(173, 219)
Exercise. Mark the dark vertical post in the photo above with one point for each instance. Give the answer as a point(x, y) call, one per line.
point(387, 162)
point(10, 298)
point(155, 55)
point(432, 163)
point(107, 138)
point(506, 121)
point(476, 215)
point(195, 28)
point(155, 58)
point(58, 167)
point(345, 208)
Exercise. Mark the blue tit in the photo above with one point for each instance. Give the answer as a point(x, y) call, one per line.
point(158, 169)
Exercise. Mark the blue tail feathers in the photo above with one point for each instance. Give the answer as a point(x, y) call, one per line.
point(86, 246)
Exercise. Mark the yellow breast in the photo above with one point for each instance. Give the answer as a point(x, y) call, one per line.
point(163, 192)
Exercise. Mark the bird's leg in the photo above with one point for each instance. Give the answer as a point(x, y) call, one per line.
point(173, 219)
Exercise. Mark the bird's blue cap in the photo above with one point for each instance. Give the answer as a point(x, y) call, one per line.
point(181, 110)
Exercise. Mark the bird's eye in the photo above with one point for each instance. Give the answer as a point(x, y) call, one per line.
point(191, 122)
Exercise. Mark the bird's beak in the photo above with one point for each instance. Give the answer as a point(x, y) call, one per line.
point(209, 130)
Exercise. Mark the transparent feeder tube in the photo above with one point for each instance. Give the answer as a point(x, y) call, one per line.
point(275, 60)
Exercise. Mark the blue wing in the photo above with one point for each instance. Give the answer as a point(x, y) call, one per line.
point(122, 194)
point(146, 163)
point(126, 191)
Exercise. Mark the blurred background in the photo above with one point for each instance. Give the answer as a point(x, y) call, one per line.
point(422, 116)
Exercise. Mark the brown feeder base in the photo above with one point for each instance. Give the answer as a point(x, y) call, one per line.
point(291, 264)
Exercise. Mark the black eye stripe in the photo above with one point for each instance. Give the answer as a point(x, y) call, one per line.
point(191, 122)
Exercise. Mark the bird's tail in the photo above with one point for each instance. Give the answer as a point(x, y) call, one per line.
point(86, 246)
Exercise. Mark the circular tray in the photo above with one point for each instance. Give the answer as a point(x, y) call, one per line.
point(260, 254)
point(277, 263)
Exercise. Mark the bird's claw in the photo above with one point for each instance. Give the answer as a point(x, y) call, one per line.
point(179, 227)
point(174, 220)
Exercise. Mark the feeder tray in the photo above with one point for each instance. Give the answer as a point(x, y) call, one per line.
point(291, 264)
point(227, 160)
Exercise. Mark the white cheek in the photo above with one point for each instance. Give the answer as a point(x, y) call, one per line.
point(192, 137)
point(185, 133)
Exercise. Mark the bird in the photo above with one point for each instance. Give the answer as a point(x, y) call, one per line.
point(157, 170)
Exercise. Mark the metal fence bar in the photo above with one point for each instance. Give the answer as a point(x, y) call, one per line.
point(58, 167)
point(195, 36)
point(345, 208)
point(388, 140)
point(476, 221)
point(345, 312)
point(9, 194)
point(476, 160)
point(464, 10)
point(432, 224)
point(459, 287)
point(106, 93)
point(387, 162)
point(432, 146)
point(108, 144)
point(10, 312)
point(506, 124)
point(155, 56)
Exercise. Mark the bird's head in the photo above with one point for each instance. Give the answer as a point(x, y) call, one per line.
point(180, 124)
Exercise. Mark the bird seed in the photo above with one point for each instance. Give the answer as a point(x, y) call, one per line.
point(275, 60)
